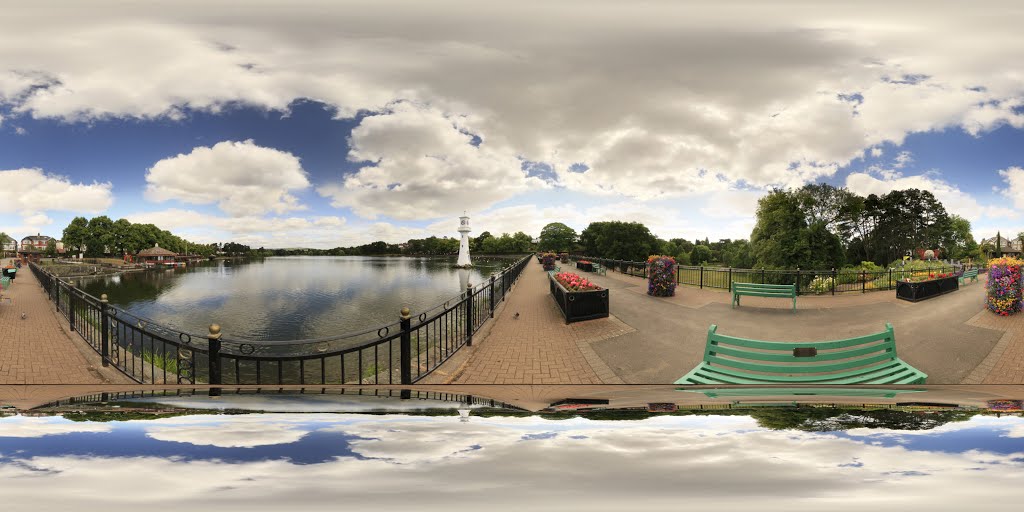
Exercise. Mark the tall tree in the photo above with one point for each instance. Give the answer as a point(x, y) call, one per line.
point(75, 234)
point(557, 237)
point(619, 240)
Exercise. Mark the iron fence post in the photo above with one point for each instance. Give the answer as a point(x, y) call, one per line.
point(405, 348)
point(834, 276)
point(492, 295)
point(104, 331)
point(71, 305)
point(890, 278)
point(469, 315)
point(730, 278)
point(213, 364)
point(798, 280)
point(762, 276)
point(702, 277)
point(863, 281)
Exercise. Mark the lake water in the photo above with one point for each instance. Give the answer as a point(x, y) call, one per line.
point(288, 298)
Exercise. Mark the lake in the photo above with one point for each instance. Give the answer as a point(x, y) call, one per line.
point(292, 297)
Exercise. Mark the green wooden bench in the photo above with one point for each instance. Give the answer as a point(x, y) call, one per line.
point(599, 270)
point(971, 274)
point(867, 359)
point(844, 391)
point(785, 291)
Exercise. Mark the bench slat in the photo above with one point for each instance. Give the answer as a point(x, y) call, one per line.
point(807, 367)
point(720, 339)
point(790, 358)
point(886, 374)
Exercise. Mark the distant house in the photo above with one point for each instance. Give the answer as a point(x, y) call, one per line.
point(1010, 247)
point(35, 242)
point(157, 256)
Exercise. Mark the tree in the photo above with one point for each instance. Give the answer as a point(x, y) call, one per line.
point(961, 241)
point(4, 240)
point(51, 248)
point(619, 240)
point(701, 255)
point(99, 236)
point(777, 240)
point(75, 234)
point(557, 237)
point(477, 244)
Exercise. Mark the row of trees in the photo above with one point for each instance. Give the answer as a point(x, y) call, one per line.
point(100, 236)
point(821, 226)
point(486, 243)
point(817, 226)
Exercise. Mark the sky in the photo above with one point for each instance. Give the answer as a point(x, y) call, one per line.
point(324, 124)
point(314, 461)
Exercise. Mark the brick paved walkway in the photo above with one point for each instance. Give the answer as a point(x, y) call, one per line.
point(538, 347)
point(1005, 364)
point(37, 349)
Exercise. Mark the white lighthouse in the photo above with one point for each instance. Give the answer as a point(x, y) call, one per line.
point(464, 243)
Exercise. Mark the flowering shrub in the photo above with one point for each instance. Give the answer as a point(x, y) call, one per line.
point(585, 262)
point(548, 260)
point(1004, 286)
point(821, 284)
point(575, 283)
point(661, 280)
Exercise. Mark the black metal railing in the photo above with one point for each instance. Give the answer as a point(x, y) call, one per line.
point(402, 352)
point(402, 394)
point(808, 282)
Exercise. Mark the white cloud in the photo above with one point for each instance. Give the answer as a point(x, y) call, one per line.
point(29, 193)
point(23, 426)
point(253, 230)
point(1014, 190)
point(240, 177)
point(424, 165)
point(609, 465)
point(680, 101)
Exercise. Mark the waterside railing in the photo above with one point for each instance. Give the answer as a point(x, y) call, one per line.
point(807, 282)
point(401, 352)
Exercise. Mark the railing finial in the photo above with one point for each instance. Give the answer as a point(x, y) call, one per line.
point(214, 332)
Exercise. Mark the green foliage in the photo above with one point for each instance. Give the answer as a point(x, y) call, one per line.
point(618, 240)
point(701, 255)
point(75, 234)
point(558, 237)
point(51, 248)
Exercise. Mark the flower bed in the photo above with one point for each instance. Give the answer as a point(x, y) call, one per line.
point(578, 298)
point(585, 265)
point(1004, 286)
point(661, 276)
point(917, 288)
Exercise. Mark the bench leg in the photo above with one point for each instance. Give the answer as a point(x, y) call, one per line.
point(794, 304)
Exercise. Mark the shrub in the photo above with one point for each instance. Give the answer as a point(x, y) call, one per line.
point(661, 281)
point(1004, 286)
point(820, 285)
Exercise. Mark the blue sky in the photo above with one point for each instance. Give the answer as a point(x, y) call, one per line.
point(338, 124)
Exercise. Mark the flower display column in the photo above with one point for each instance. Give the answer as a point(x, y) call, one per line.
point(661, 281)
point(548, 260)
point(1004, 286)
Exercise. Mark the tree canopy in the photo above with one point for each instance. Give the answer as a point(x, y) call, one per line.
point(557, 237)
point(619, 240)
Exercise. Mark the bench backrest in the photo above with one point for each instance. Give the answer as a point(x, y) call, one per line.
point(755, 287)
point(971, 273)
point(780, 357)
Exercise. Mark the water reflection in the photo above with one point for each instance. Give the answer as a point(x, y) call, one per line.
point(273, 461)
point(290, 297)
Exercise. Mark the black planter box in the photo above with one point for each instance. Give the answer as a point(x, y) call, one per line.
point(578, 306)
point(587, 267)
point(914, 292)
